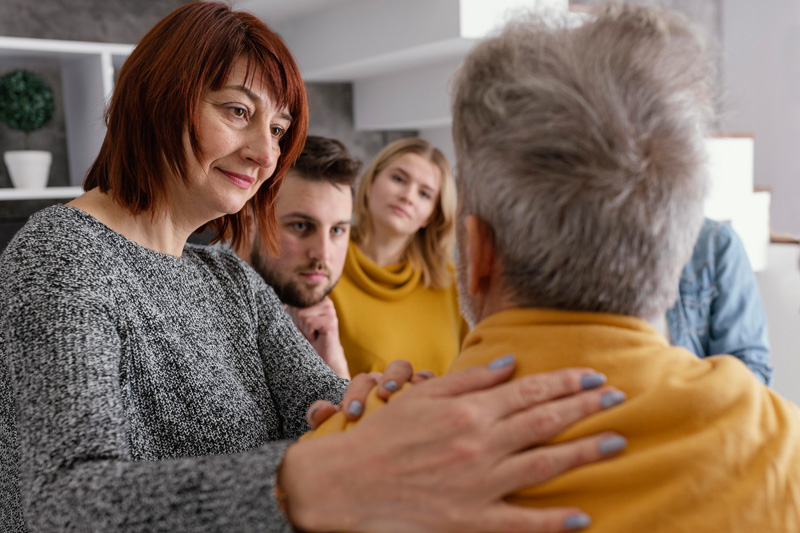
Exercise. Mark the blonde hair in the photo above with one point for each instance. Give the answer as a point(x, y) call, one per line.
point(431, 249)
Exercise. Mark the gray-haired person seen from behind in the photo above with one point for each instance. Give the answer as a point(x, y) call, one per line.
point(581, 164)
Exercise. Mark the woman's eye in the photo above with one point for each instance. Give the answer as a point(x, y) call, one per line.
point(238, 112)
point(299, 226)
point(425, 194)
point(338, 231)
point(397, 178)
point(278, 131)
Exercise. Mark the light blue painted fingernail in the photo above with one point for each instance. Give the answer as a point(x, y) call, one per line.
point(355, 408)
point(577, 521)
point(591, 381)
point(610, 399)
point(612, 445)
point(391, 385)
point(502, 362)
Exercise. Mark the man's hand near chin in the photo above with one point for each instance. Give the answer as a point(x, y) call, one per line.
point(320, 326)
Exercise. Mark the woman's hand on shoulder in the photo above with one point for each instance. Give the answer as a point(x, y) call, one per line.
point(391, 380)
point(443, 456)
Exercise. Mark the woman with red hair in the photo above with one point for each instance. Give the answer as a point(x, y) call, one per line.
point(151, 385)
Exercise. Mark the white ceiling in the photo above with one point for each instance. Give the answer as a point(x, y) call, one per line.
point(399, 54)
point(279, 10)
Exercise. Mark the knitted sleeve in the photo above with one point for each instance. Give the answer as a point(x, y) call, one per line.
point(65, 462)
point(296, 374)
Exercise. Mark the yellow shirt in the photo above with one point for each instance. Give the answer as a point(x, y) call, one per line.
point(385, 313)
point(709, 447)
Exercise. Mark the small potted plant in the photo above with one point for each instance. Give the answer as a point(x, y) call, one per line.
point(26, 104)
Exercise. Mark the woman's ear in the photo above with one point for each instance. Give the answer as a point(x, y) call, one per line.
point(480, 254)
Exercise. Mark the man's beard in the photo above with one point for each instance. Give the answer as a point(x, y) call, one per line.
point(289, 291)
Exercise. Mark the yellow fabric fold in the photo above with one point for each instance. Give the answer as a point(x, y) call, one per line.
point(386, 313)
point(391, 282)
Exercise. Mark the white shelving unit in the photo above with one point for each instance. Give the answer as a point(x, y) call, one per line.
point(87, 78)
point(40, 194)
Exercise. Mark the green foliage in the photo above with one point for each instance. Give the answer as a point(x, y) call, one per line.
point(26, 101)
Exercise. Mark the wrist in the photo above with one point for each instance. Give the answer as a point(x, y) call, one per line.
point(308, 486)
point(332, 353)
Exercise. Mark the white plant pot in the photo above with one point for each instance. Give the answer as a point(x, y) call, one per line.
point(28, 169)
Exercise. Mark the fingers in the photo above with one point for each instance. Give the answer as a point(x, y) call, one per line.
point(540, 464)
point(543, 422)
point(534, 389)
point(356, 396)
point(471, 379)
point(311, 327)
point(319, 412)
point(395, 375)
point(422, 376)
point(515, 519)
point(320, 317)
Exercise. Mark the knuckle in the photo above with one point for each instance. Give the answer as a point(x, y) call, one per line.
point(580, 456)
point(590, 404)
point(465, 450)
point(571, 381)
point(533, 391)
point(517, 522)
point(547, 422)
point(463, 418)
point(401, 365)
point(363, 381)
point(453, 518)
point(543, 466)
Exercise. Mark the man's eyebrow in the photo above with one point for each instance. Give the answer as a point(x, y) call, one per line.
point(256, 98)
point(301, 216)
point(308, 218)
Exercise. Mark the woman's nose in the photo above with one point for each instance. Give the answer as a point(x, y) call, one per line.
point(406, 193)
point(262, 148)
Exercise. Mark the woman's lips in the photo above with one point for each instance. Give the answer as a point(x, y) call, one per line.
point(242, 181)
point(400, 211)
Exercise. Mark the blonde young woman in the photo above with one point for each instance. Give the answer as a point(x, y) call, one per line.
point(397, 296)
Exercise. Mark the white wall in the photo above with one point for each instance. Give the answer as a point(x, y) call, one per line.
point(441, 138)
point(761, 69)
point(780, 290)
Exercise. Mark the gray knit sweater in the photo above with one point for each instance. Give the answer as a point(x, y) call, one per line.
point(140, 391)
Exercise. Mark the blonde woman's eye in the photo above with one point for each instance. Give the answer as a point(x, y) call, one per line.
point(425, 195)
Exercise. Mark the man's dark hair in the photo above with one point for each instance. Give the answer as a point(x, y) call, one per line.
point(324, 159)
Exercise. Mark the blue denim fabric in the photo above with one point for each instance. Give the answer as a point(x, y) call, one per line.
point(719, 309)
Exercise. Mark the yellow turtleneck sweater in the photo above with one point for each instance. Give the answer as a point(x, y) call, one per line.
point(385, 313)
point(710, 449)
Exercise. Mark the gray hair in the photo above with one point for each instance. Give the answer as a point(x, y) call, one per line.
point(582, 148)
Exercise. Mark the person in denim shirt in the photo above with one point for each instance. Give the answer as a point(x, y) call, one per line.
point(719, 309)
